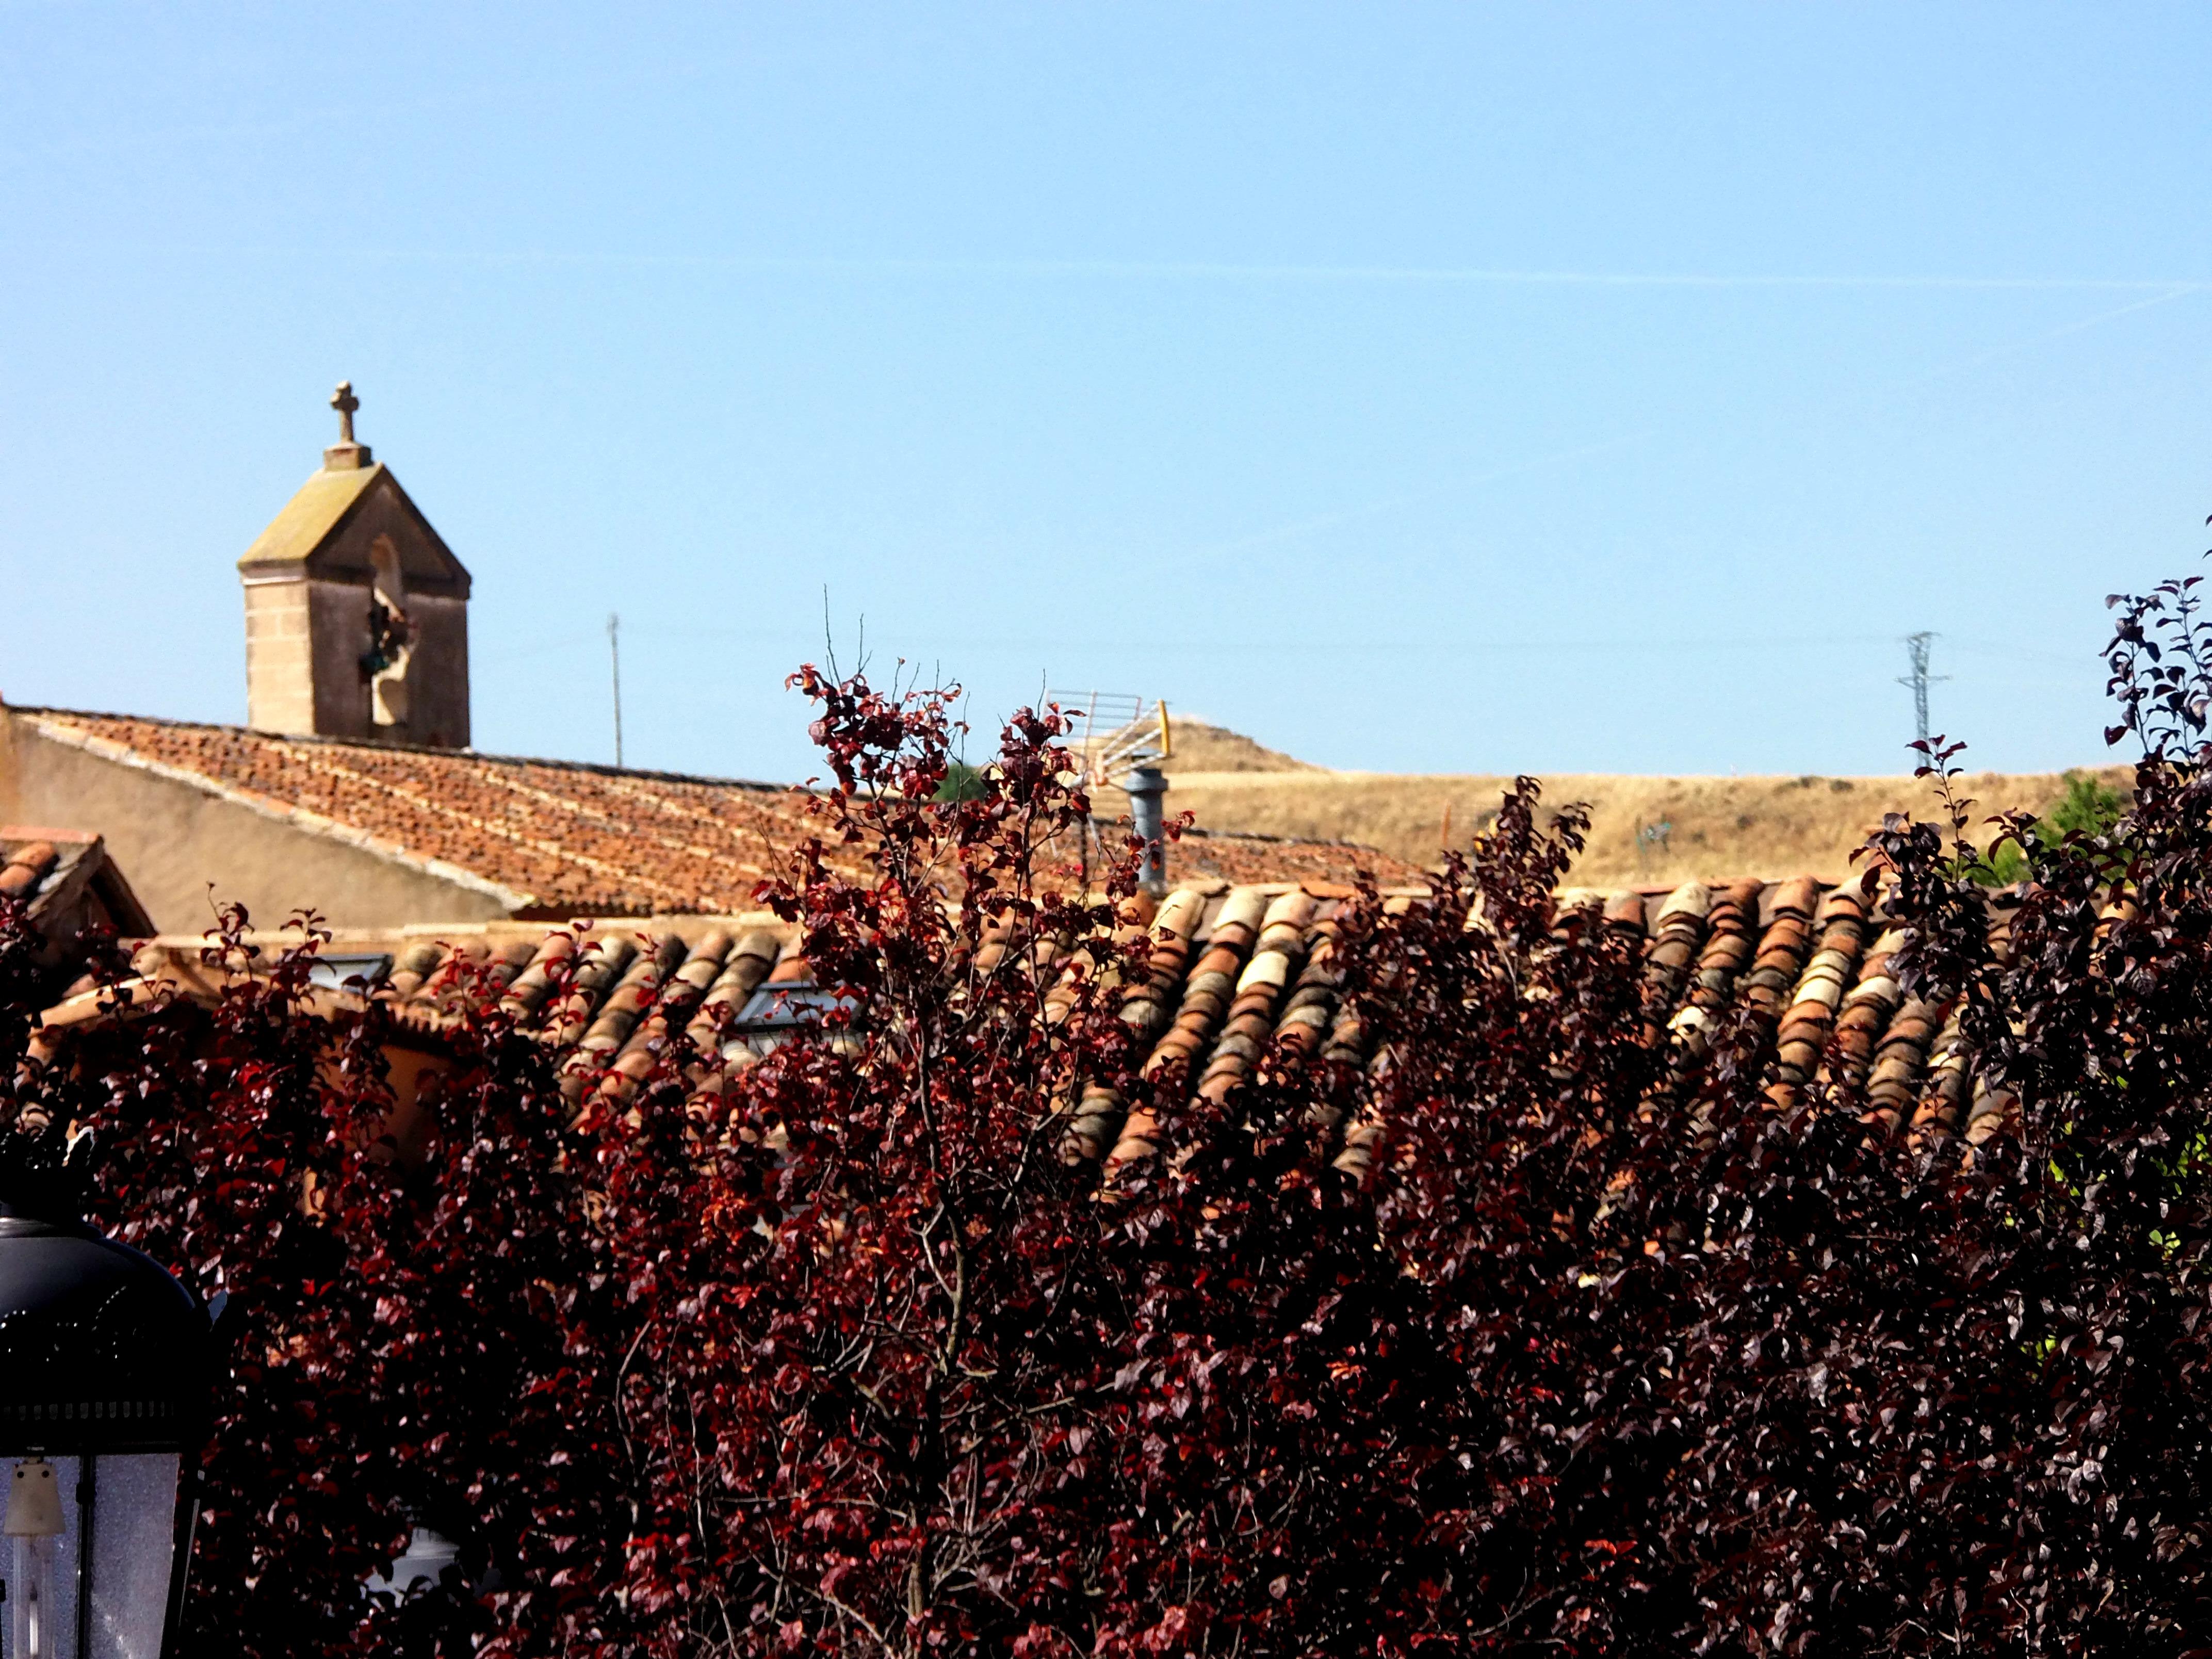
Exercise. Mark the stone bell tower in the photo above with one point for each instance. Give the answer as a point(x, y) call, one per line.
point(357, 611)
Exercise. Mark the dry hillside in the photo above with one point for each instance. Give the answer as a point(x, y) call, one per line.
point(1643, 831)
point(1197, 745)
point(1200, 747)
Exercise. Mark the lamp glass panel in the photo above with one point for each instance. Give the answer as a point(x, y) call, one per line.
point(41, 1606)
point(133, 1518)
point(134, 1535)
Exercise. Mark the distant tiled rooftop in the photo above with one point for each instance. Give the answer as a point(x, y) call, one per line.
point(557, 839)
point(561, 838)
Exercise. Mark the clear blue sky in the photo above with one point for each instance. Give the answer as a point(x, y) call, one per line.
point(1561, 387)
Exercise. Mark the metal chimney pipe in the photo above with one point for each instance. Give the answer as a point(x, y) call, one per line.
point(1147, 786)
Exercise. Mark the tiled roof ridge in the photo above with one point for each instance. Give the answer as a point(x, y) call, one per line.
point(598, 768)
point(314, 823)
point(15, 832)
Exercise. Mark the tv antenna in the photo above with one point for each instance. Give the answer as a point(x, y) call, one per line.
point(1120, 739)
point(1112, 733)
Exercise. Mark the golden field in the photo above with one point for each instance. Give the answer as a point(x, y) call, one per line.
point(1748, 826)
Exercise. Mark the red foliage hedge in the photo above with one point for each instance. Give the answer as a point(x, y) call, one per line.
point(1597, 1352)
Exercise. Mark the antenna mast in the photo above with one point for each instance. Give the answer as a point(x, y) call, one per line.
point(614, 654)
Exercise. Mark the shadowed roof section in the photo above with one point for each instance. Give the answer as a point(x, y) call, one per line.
point(558, 839)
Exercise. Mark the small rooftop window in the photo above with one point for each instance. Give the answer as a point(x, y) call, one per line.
point(332, 972)
point(780, 1007)
point(775, 1013)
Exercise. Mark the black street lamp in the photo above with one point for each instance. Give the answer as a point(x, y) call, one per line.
point(104, 1361)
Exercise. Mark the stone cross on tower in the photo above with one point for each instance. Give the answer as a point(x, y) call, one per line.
point(345, 455)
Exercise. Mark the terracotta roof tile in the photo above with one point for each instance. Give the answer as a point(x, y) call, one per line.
point(28, 865)
point(1227, 972)
point(558, 839)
